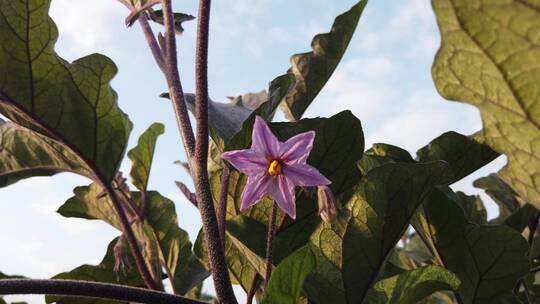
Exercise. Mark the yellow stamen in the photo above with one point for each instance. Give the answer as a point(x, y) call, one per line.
point(274, 169)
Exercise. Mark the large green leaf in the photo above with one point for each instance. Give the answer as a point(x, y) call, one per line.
point(464, 154)
point(287, 279)
point(71, 103)
point(103, 272)
point(488, 57)
point(351, 252)
point(161, 223)
point(313, 69)
point(487, 259)
point(141, 156)
point(25, 153)
point(412, 286)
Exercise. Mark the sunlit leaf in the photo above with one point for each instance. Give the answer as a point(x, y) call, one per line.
point(70, 102)
point(488, 57)
point(351, 252)
point(142, 155)
point(25, 153)
point(173, 242)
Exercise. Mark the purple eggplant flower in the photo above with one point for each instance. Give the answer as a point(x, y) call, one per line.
point(274, 168)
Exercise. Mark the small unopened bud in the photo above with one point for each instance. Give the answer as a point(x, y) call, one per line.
point(327, 204)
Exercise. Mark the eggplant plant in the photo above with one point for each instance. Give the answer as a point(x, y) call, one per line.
point(296, 211)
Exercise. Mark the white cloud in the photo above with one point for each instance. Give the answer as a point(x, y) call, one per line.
point(85, 24)
point(411, 29)
point(360, 85)
point(412, 16)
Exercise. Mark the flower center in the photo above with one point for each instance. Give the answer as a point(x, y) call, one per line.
point(274, 169)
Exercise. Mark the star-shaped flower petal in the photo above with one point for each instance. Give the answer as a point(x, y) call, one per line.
point(275, 168)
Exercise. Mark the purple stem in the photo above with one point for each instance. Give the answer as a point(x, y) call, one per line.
point(222, 211)
point(270, 242)
point(173, 80)
point(214, 243)
point(152, 42)
point(90, 289)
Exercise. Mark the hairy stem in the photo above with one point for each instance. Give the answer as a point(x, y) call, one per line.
point(214, 243)
point(90, 289)
point(173, 80)
point(222, 211)
point(132, 240)
point(270, 242)
point(152, 42)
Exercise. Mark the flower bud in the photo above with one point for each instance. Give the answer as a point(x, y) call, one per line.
point(327, 206)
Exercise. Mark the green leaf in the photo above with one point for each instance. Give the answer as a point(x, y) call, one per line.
point(71, 103)
point(488, 52)
point(501, 193)
point(25, 153)
point(464, 154)
point(179, 18)
point(520, 219)
point(141, 156)
point(240, 268)
point(473, 206)
point(5, 276)
point(173, 245)
point(412, 286)
point(313, 69)
point(513, 212)
point(338, 146)
point(287, 279)
point(278, 89)
point(351, 252)
point(487, 259)
point(103, 272)
point(392, 152)
point(417, 250)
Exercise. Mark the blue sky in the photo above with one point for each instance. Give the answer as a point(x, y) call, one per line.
point(384, 79)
